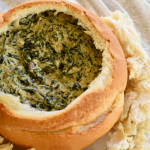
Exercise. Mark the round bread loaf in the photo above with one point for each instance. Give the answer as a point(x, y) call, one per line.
point(90, 114)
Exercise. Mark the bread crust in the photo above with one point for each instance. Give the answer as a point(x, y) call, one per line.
point(67, 141)
point(86, 108)
point(1, 18)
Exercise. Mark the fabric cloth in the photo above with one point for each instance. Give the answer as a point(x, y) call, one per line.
point(137, 10)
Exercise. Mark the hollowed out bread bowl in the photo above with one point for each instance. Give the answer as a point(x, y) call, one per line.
point(79, 97)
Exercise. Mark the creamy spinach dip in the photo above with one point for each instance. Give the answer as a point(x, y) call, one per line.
point(47, 60)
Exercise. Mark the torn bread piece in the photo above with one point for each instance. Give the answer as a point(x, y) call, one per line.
point(133, 125)
point(131, 129)
point(7, 146)
point(1, 139)
point(138, 61)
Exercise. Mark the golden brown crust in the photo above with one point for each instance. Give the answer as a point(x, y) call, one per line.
point(86, 109)
point(62, 141)
point(1, 18)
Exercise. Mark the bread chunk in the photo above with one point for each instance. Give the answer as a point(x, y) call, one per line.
point(7, 146)
point(133, 125)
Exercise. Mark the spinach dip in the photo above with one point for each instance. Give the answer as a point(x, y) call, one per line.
point(47, 60)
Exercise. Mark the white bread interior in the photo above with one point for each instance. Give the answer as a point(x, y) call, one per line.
point(138, 61)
